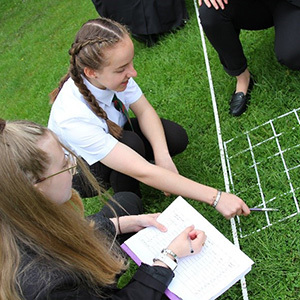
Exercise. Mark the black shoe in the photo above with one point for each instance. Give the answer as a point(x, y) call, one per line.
point(239, 101)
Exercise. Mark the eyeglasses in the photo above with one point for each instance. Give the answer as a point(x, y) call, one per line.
point(72, 162)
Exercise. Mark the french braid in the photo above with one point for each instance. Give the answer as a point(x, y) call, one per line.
point(88, 51)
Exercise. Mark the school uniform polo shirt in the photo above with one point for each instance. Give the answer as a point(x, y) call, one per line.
point(76, 125)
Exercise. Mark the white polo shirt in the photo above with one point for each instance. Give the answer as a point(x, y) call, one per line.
point(78, 128)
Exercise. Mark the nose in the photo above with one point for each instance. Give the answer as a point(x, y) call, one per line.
point(132, 72)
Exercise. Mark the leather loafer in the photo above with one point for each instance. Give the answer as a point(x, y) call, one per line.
point(239, 101)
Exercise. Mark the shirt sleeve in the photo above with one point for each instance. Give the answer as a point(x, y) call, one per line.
point(86, 139)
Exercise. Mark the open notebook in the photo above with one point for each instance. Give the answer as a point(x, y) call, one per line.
point(203, 276)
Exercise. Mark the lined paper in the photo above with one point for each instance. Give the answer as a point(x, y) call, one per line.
point(202, 276)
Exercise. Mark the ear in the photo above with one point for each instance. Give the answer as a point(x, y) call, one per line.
point(89, 73)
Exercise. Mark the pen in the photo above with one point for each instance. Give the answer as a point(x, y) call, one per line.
point(263, 209)
point(192, 250)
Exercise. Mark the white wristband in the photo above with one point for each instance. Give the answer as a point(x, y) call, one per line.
point(167, 261)
point(170, 252)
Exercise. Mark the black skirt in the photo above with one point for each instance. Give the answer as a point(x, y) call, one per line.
point(145, 17)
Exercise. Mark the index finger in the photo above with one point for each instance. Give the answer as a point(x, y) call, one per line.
point(214, 4)
point(246, 209)
point(221, 4)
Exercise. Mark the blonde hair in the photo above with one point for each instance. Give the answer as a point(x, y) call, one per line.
point(58, 234)
point(88, 50)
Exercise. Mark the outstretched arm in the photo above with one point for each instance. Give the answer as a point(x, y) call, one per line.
point(125, 160)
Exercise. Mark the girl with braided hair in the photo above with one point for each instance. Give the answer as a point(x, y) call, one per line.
point(86, 120)
point(85, 117)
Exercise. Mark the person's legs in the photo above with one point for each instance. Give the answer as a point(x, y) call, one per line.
point(129, 204)
point(176, 137)
point(219, 28)
point(222, 28)
point(287, 32)
point(177, 141)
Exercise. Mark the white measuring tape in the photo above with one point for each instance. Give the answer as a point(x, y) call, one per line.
point(220, 141)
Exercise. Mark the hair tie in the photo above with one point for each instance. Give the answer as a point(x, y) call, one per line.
point(2, 125)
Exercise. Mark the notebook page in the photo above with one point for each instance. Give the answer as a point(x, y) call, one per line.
point(203, 276)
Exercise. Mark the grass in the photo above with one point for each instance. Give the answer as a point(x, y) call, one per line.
point(35, 37)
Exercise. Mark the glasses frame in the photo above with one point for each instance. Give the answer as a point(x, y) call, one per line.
point(72, 169)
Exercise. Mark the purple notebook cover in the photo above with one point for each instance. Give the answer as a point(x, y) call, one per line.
point(171, 295)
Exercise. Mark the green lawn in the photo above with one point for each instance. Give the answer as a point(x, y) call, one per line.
point(35, 38)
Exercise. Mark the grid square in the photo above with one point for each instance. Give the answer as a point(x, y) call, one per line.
point(292, 158)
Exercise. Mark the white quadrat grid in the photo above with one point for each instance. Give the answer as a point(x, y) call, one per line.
point(268, 158)
point(256, 155)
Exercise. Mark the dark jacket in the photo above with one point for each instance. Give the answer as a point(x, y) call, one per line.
point(144, 16)
point(147, 283)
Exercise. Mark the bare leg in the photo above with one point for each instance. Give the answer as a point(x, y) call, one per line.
point(243, 82)
point(240, 98)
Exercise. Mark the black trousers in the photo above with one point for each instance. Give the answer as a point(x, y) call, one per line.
point(130, 204)
point(177, 141)
point(222, 28)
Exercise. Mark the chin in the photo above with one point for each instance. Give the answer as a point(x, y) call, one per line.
point(123, 86)
point(121, 89)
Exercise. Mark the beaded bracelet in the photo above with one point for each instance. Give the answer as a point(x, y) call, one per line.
point(218, 197)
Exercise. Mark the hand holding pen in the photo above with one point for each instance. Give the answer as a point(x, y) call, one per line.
point(189, 242)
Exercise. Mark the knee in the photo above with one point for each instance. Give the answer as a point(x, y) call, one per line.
point(182, 140)
point(132, 140)
point(176, 136)
point(209, 17)
point(289, 56)
point(130, 202)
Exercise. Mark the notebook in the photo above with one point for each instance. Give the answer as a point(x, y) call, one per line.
point(206, 275)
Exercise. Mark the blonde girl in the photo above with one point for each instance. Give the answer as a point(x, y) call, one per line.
point(48, 250)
